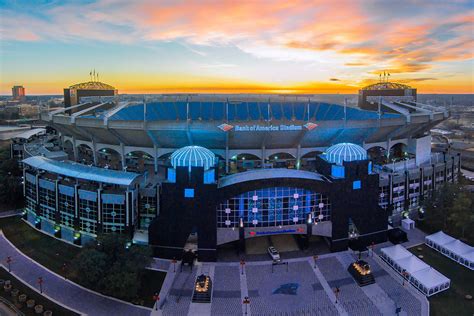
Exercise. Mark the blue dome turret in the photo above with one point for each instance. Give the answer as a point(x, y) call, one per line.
point(193, 156)
point(345, 152)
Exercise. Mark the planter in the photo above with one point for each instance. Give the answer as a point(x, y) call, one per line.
point(39, 309)
point(15, 293)
point(22, 298)
point(7, 288)
point(48, 313)
point(30, 303)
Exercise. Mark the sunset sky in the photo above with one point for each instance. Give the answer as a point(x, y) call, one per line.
point(237, 46)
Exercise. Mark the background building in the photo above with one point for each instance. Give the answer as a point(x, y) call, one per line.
point(18, 93)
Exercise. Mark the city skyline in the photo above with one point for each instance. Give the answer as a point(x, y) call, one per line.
point(282, 47)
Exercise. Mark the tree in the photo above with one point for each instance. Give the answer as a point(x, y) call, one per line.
point(462, 212)
point(11, 191)
point(112, 266)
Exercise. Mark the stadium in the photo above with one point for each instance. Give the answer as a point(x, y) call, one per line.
point(219, 170)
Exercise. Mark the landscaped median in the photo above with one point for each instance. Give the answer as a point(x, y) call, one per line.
point(452, 301)
point(62, 258)
point(25, 299)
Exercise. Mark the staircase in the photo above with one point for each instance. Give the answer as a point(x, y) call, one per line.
point(202, 289)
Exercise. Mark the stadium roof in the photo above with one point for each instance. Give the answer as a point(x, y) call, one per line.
point(79, 171)
point(387, 86)
point(92, 85)
point(30, 133)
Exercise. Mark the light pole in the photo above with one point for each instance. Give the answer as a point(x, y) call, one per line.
point(336, 292)
point(174, 264)
point(315, 257)
point(40, 282)
point(9, 261)
point(242, 264)
point(156, 298)
point(246, 303)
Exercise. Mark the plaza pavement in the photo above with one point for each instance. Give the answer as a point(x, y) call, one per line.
point(312, 292)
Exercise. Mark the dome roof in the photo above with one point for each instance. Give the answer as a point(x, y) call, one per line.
point(345, 152)
point(193, 156)
point(387, 86)
point(92, 85)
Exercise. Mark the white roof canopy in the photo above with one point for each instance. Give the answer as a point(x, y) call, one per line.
point(430, 278)
point(412, 264)
point(458, 247)
point(396, 252)
point(440, 238)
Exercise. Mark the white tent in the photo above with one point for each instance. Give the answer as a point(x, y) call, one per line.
point(412, 264)
point(429, 281)
point(393, 254)
point(437, 240)
point(467, 260)
point(452, 248)
point(420, 275)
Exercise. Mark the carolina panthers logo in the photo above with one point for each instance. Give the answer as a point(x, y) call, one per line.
point(287, 289)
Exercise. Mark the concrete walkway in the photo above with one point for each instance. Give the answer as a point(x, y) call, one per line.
point(64, 292)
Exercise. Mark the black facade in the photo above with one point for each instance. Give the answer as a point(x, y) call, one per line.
point(354, 200)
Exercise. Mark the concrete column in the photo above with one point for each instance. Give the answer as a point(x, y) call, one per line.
point(122, 155)
point(226, 159)
point(155, 159)
point(94, 152)
point(263, 156)
point(298, 156)
point(74, 148)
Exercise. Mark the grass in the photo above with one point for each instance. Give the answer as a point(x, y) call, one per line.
point(39, 299)
point(451, 301)
point(42, 248)
point(150, 284)
point(53, 253)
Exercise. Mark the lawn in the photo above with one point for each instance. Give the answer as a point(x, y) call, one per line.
point(451, 301)
point(40, 247)
point(39, 299)
point(53, 253)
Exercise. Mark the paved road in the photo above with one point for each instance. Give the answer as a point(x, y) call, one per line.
point(69, 294)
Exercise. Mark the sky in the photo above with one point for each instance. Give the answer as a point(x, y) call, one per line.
point(299, 46)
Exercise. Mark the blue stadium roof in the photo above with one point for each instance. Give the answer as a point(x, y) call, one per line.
point(79, 171)
point(193, 156)
point(345, 152)
point(243, 111)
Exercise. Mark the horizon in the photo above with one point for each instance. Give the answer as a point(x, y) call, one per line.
point(144, 47)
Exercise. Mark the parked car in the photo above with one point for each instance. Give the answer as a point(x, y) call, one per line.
point(274, 254)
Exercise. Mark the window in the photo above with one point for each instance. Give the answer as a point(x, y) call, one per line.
point(356, 185)
point(189, 193)
point(275, 206)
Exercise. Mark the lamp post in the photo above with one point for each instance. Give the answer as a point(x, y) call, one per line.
point(242, 264)
point(174, 264)
point(246, 303)
point(9, 261)
point(40, 282)
point(336, 292)
point(315, 257)
point(156, 298)
point(64, 267)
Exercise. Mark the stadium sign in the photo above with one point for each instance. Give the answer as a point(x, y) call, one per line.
point(267, 128)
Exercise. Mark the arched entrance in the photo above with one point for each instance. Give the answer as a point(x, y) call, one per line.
point(282, 160)
point(85, 154)
point(308, 160)
point(139, 161)
point(378, 155)
point(110, 159)
point(398, 152)
point(243, 162)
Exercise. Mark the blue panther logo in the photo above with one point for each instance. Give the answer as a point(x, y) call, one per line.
point(287, 289)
